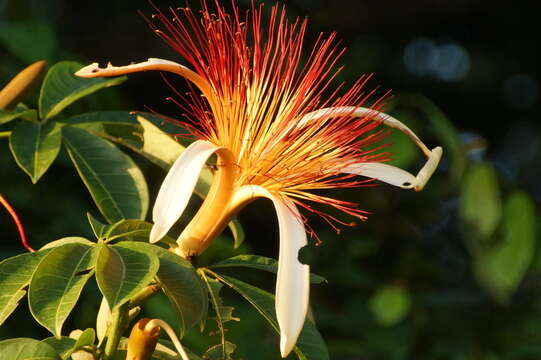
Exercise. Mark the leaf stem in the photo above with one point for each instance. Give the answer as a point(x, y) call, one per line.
point(119, 318)
point(5, 134)
point(144, 295)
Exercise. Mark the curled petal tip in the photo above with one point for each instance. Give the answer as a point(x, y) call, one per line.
point(88, 71)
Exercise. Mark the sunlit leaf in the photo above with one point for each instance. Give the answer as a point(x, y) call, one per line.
point(310, 345)
point(109, 124)
point(501, 268)
point(180, 283)
point(116, 184)
point(27, 349)
point(35, 146)
point(63, 346)
point(237, 231)
point(259, 263)
point(98, 228)
point(86, 338)
point(161, 149)
point(20, 112)
point(480, 205)
point(57, 283)
point(390, 304)
point(134, 230)
point(61, 88)
point(122, 272)
point(15, 275)
point(67, 240)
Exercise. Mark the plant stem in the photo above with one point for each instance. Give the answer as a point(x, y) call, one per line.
point(119, 317)
point(4, 134)
point(144, 294)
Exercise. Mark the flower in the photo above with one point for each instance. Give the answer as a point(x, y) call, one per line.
point(279, 132)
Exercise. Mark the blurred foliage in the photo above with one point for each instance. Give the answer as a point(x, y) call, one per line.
point(452, 272)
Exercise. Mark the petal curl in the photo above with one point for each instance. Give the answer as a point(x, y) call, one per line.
point(178, 187)
point(93, 70)
point(396, 176)
point(293, 278)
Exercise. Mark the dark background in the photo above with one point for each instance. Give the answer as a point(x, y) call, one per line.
point(476, 62)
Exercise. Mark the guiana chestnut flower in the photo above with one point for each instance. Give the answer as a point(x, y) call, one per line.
point(278, 128)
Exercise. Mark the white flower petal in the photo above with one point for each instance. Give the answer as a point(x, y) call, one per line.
point(383, 172)
point(178, 187)
point(293, 279)
point(353, 111)
point(396, 176)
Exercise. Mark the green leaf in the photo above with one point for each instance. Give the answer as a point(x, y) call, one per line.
point(223, 313)
point(121, 124)
point(115, 182)
point(480, 206)
point(121, 272)
point(98, 228)
point(27, 349)
point(158, 144)
point(15, 275)
point(237, 231)
point(67, 240)
point(20, 112)
point(161, 149)
point(57, 283)
point(61, 88)
point(310, 344)
point(134, 230)
point(259, 263)
point(35, 146)
point(390, 304)
point(30, 41)
point(181, 284)
point(501, 268)
point(63, 346)
point(86, 338)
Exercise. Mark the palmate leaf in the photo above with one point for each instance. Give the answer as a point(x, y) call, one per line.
point(27, 349)
point(180, 283)
point(35, 146)
point(61, 88)
point(57, 283)
point(116, 184)
point(15, 275)
point(123, 270)
point(310, 345)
